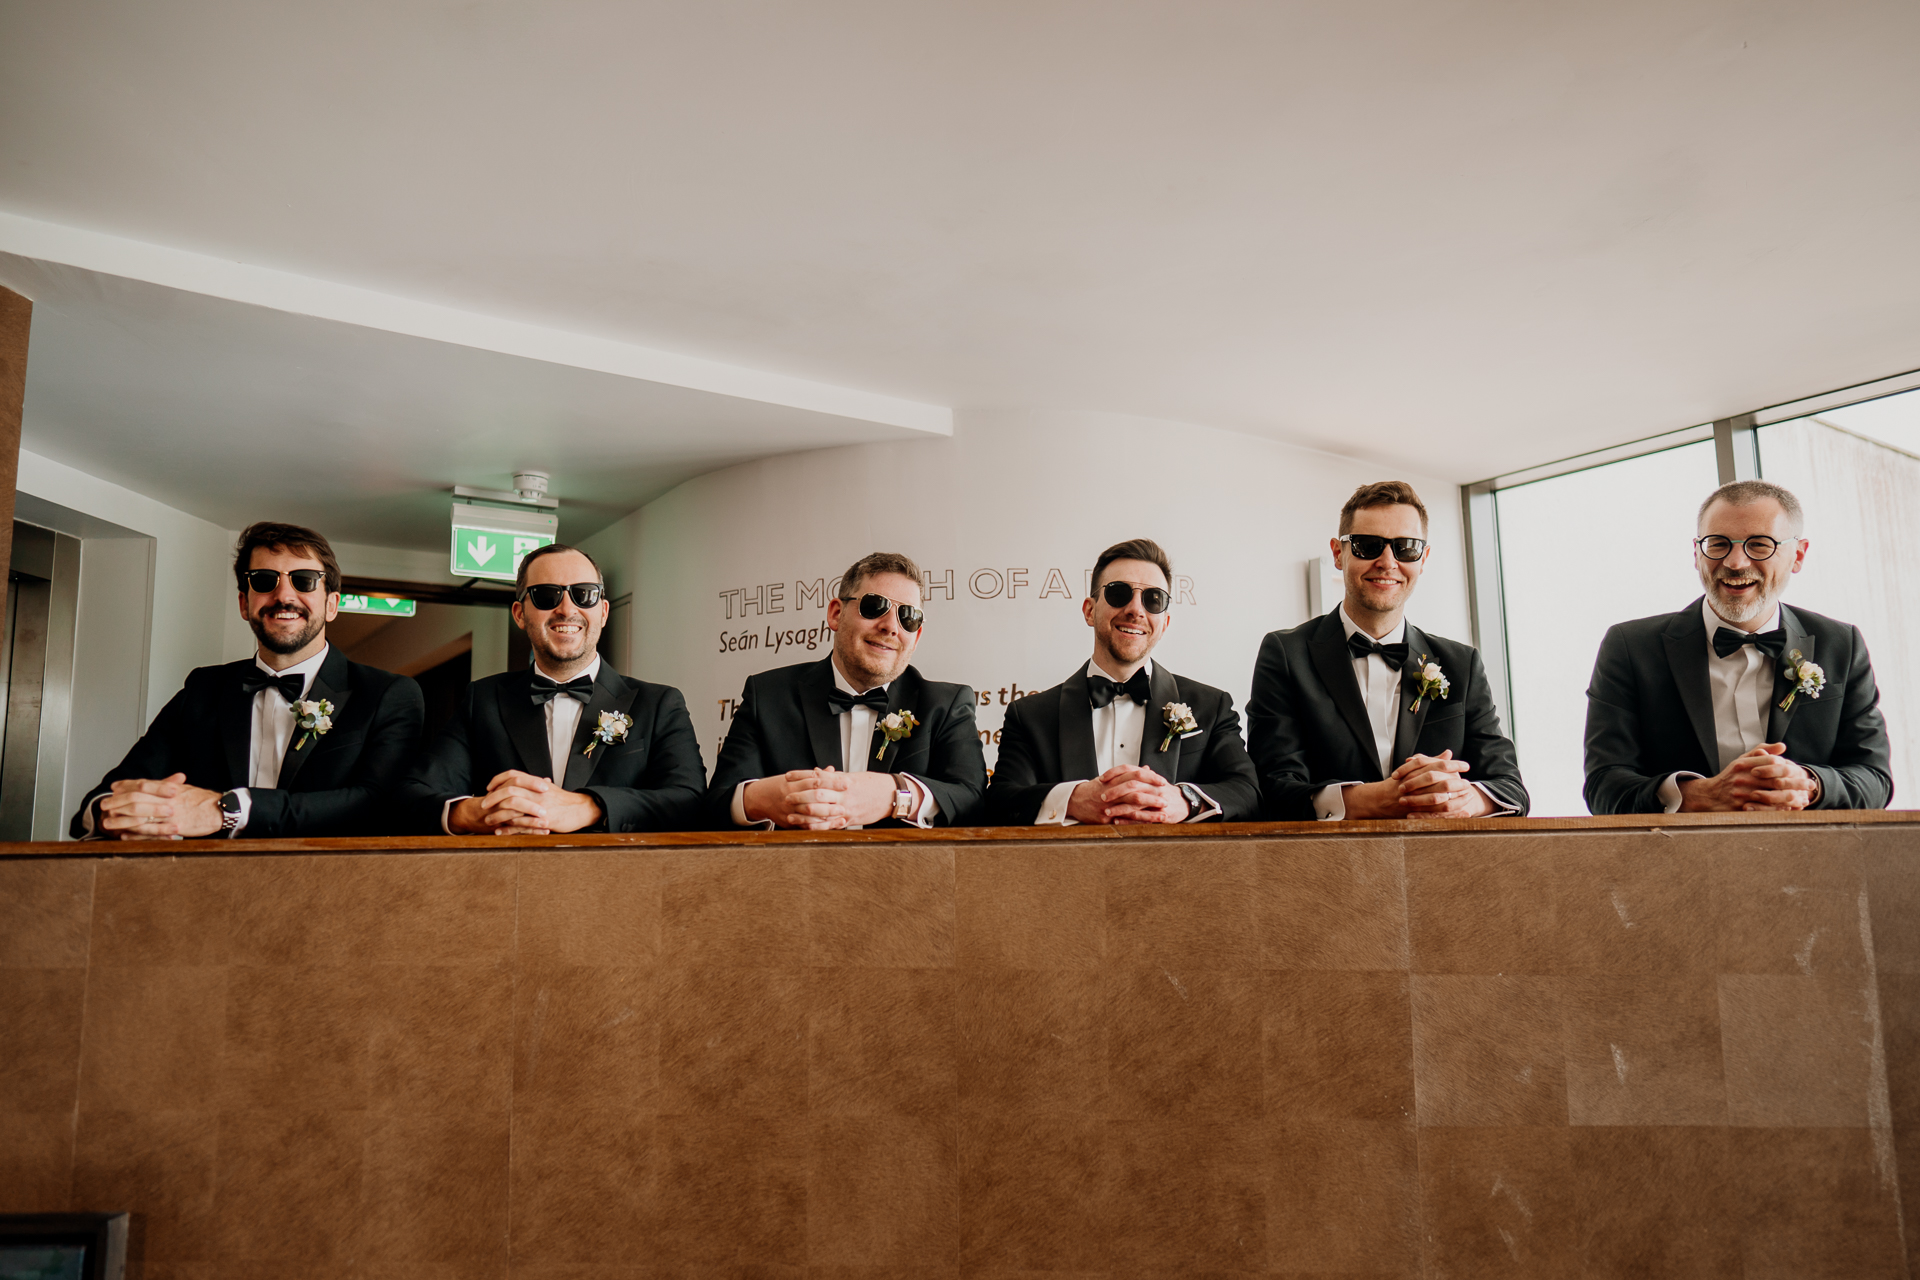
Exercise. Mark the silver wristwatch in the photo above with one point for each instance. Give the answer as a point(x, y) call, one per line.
point(902, 799)
point(229, 812)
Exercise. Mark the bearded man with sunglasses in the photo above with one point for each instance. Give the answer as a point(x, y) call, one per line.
point(859, 738)
point(1123, 739)
point(568, 743)
point(1361, 714)
point(244, 749)
point(1737, 703)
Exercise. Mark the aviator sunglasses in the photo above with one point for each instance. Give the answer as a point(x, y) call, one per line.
point(263, 581)
point(546, 595)
point(873, 607)
point(1119, 595)
point(1368, 546)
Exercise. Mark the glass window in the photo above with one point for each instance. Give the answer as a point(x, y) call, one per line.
point(1856, 472)
point(1578, 553)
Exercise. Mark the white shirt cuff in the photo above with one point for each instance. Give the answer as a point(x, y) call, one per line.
point(1201, 815)
point(1499, 806)
point(86, 812)
point(1330, 802)
point(738, 809)
point(446, 812)
point(925, 807)
point(246, 809)
point(1669, 792)
point(1053, 810)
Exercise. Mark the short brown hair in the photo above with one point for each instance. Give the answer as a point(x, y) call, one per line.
point(291, 538)
point(879, 562)
point(1741, 493)
point(551, 549)
point(1382, 493)
point(1132, 549)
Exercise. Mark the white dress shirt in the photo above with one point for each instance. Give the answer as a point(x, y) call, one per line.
point(563, 721)
point(856, 739)
point(1119, 730)
point(1380, 691)
point(1740, 686)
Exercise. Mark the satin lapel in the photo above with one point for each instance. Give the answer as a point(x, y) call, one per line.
point(1163, 689)
point(611, 692)
point(823, 727)
point(526, 724)
point(1077, 756)
point(235, 715)
point(1334, 663)
point(1797, 638)
point(902, 694)
point(1686, 644)
point(1409, 723)
point(329, 683)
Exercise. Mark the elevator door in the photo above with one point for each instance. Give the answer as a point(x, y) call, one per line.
point(36, 662)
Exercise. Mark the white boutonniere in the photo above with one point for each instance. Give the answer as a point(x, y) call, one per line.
point(895, 726)
point(1430, 682)
point(1179, 721)
point(1808, 677)
point(312, 719)
point(612, 728)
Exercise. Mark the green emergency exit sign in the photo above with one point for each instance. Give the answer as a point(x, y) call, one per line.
point(492, 553)
point(387, 606)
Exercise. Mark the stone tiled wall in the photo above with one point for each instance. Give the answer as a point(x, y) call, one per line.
point(1676, 1053)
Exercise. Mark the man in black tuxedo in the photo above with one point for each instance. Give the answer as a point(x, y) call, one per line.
point(296, 741)
point(1123, 739)
point(1347, 720)
point(1712, 710)
point(567, 744)
point(859, 738)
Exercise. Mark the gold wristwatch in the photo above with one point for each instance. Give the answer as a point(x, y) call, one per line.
point(902, 798)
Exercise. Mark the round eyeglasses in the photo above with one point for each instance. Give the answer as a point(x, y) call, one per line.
point(1718, 547)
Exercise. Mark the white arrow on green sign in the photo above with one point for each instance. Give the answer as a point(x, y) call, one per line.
point(388, 606)
point(489, 553)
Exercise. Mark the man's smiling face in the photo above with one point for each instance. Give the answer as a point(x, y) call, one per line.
point(283, 620)
point(565, 635)
point(1377, 589)
point(1127, 635)
point(1740, 588)
point(872, 651)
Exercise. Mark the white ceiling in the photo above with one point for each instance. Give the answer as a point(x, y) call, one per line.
point(1487, 234)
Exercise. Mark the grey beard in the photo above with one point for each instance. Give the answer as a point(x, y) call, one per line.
point(1732, 612)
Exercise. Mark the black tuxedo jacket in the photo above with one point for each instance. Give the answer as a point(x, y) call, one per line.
point(784, 723)
point(1048, 739)
point(650, 781)
point(334, 785)
point(1307, 722)
point(1650, 713)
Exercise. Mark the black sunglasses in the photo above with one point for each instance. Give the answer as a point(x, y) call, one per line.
point(875, 606)
point(546, 595)
point(1718, 547)
point(1368, 546)
point(1119, 595)
point(264, 581)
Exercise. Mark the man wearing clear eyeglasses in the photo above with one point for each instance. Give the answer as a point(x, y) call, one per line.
point(859, 738)
point(1361, 714)
point(1123, 740)
point(1737, 702)
point(567, 744)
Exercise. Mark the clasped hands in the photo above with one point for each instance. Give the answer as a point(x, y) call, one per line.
point(1422, 787)
point(159, 809)
point(1761, 779)
point(519, 803)
point(1128, 793)
point(820, 799)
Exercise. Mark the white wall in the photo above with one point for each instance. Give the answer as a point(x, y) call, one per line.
point(1015, 494)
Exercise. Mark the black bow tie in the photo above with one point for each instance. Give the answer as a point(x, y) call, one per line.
point(1101, 691)
point(842, 702)
point(545, 690)
point(1360, 645)
point(290, 686)
point(1728, 641)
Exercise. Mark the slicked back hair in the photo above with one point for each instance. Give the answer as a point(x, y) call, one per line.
point(291, 538)
point(878, 562)
point(552, 549)
point(1382, 493)
point(1740, 493)
point(1132, 549)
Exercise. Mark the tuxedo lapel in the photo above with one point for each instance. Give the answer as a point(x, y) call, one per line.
point(1686, 645)
point(823, 727)
point(1408, 722)
point(901, 696)
point(1162, 689)
point(331, 684)
point(611, 692)
point(1334, 663)
point(1077, 756)
point(234, 713)
point(1798, 638)
point(526, 724)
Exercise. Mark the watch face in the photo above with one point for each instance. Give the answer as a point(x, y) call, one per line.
point(229, 802)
